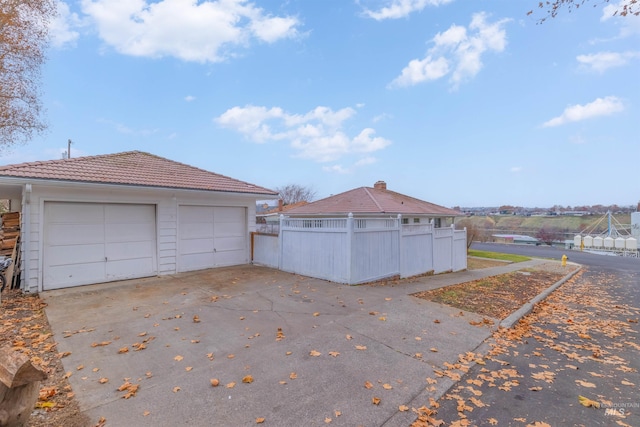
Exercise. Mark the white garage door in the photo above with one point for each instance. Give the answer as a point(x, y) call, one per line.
point(211, 237)
point(92, 243)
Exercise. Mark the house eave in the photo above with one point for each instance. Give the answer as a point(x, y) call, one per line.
point(12, 180)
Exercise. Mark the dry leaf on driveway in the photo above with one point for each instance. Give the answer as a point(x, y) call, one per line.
point(314, 353)
point(585, 384)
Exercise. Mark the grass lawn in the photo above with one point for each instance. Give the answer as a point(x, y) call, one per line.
point(499, 256)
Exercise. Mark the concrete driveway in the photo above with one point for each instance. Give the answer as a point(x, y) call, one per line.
point(309, 345)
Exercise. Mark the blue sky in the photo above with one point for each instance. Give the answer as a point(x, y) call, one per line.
point(460, 103)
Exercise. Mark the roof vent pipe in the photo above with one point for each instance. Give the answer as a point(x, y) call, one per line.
point(380, 185)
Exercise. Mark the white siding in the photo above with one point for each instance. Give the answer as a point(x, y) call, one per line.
point(166, 202)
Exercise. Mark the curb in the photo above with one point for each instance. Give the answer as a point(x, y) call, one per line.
point(514, 317)
point(400, 419)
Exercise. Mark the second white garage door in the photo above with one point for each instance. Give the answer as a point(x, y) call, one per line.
point(211, 236)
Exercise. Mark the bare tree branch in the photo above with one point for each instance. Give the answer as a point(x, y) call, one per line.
point(23, 41)
point(294, 193)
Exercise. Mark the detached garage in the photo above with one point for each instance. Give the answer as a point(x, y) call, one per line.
point(127, 215)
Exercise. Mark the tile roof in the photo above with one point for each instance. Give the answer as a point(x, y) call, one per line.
point(367, 200)
point(285, 208)
point(131, 168)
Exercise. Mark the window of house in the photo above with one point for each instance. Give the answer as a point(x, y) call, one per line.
point(416, 220)
point(405, 220)
point(437, 222)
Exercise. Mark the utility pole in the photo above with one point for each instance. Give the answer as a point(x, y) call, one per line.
point(69, 149)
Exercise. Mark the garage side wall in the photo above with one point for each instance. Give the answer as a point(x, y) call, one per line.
point(166, 202)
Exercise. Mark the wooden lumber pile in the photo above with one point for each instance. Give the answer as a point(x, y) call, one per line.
point(10, 245)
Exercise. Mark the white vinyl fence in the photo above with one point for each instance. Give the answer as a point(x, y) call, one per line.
point(353, 250)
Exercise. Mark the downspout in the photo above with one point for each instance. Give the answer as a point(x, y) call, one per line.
point(25, 234)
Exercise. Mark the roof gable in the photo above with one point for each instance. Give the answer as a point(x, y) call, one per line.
point(131, 168)
point(367, 200)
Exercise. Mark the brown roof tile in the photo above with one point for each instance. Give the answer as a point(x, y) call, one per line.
point(285, 208)
point(131, 168)
point(367, 200)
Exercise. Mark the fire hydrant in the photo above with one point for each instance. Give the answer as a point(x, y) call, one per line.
point(564, 260)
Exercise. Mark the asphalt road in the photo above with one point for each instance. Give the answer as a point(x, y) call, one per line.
point(584, 340)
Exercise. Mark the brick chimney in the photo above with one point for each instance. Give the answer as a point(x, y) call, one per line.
point(380, 185)
point(280, 205)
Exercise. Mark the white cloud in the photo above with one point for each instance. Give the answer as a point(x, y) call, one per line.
point(191, 30)
point(457, 51)
point(317, 135)
point(575, 113)
point(402, 8)
point(602, 61)
point(339, 169)
point(62, 28)
point(189, 98)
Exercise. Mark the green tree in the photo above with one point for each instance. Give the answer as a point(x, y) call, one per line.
point(23, 40)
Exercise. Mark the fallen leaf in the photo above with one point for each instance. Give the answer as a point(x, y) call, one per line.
point(231, 385)
point(215, 382)
point(403, 408)
point(538, 388)
point(316, 314)
point(492, 421)
point(375, 400)
point(188, 368)
point(80, 367)
point(230, 356)
point(123, 350)
point(334, 353)
point(585, 384)
point(196, 319)
point(623, 382)
point(387, 386)
point(247, 379)
point(327, 420)
point(349, 337)
point(433, 350)
point(361, 347)
point(337, 413)
point(104, 381)
point(314, 353)
point(368, 384)
point(259, 420)
point(178, 358)
point(584, 401)
point(382, 318)
point(293, 376)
